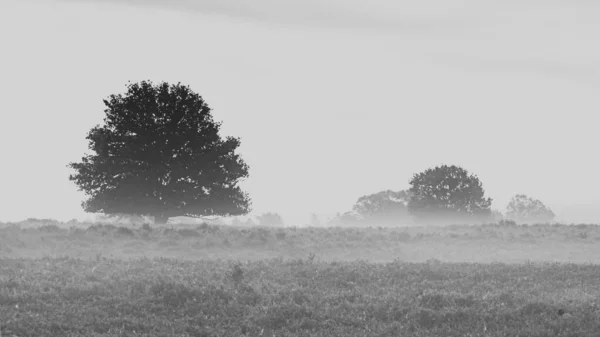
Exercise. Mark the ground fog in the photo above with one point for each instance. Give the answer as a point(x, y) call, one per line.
point(111, 280)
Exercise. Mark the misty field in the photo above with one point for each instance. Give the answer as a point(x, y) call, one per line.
point(105, 280)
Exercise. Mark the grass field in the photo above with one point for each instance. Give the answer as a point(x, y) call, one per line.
point(221, 281)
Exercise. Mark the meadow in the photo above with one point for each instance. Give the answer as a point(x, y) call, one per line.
point(489, 280)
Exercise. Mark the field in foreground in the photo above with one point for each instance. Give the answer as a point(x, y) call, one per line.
point(105, 280)
point(164, 297)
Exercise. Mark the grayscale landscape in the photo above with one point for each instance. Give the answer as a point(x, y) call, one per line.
point(299, 168)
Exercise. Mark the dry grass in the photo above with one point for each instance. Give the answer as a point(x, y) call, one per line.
point(163, 297)
point(486, 244)
point(223, 281)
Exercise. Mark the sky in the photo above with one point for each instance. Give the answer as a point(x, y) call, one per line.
point(332, 99)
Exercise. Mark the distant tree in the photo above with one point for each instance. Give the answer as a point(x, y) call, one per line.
point(243, 222)
point(237, 222)
point(314, 220)
point(249, 223)
point(385, 208)
point(496, 216)
point(448, 194)
point(159, 153)
point(270, 220)
point(345, 219)
point(525, 209)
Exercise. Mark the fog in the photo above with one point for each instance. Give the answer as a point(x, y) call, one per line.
point(358, 122)
point(331, 102)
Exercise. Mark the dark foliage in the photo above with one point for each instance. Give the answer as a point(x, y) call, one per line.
point(124, 231)
point(159, 153)
point(448, 194)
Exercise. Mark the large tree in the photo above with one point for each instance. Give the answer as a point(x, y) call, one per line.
point(448, 194)
point(159, 153)
point(385, 207)
point(523, 208)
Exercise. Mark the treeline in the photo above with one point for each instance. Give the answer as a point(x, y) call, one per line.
point(441, 195)
point(159, 154)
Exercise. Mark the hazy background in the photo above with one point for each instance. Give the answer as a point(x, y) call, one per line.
point(332, 99)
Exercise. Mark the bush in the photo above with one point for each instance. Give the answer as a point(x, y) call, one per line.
point(508, 223)
point(49, 228)
point(270, 220)
point(280, 235)
point(402, 237)
point(206, 227)
point(259, 235)
point(124, 231)
point(186, 232)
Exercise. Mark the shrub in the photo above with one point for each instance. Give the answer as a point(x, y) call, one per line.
point(505, 222)
point(270, 220)
point(403, 237)
point(280, 235)
point(124, 231)
point(186, 232)
point(205, 227)
point(237, 273)
point(52, 228)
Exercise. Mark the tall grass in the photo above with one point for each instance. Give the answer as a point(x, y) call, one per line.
point(302, 297)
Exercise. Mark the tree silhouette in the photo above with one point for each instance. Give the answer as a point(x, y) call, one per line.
point(159, 153)
point(350, 218)
point(448, 194)
point(270, 220)
point(523, 208)
point(385, 207)
point(315, 221)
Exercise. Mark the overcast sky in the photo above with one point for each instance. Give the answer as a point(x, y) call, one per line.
point(332, 99)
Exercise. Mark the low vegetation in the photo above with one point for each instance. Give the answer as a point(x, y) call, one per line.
point(502, 242)
point(303, 297)
point(104, 280)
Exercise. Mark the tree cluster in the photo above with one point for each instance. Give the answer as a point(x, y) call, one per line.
point(441, 195)
point(160, 154)
point(522, 208)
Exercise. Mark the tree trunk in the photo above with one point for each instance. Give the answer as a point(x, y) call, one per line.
point(160, 219)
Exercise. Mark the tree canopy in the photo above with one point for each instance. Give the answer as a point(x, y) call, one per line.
point(159, 153)
point(350, 218)
point(448, 194)
point(270, 220)
point(385, 207)
point(526, 209)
